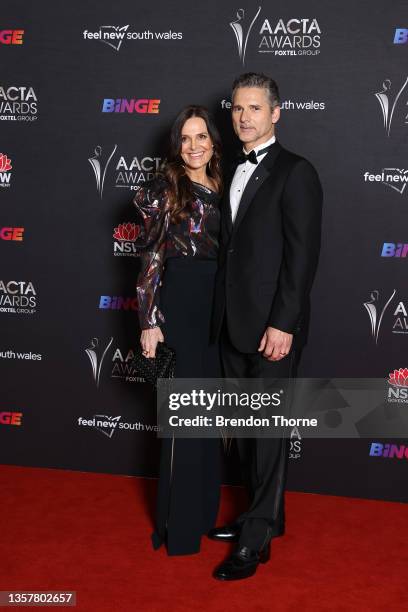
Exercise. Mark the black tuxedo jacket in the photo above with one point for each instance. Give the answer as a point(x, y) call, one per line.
point(268, 257)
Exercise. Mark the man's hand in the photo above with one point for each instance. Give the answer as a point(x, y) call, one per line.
point(275, 344)
point(149, 340)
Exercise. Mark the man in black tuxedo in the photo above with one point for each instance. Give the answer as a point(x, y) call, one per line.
point(270, 242)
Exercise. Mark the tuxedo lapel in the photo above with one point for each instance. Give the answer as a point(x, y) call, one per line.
point(260, 174)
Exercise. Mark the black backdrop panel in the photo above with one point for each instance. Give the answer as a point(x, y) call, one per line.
point(67, 172)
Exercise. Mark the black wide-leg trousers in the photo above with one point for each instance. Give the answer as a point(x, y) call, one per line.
point(264, 460)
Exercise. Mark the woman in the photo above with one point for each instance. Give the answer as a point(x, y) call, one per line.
point(181, 220)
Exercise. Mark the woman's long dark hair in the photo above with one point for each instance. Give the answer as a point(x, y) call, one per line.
point(180, 190)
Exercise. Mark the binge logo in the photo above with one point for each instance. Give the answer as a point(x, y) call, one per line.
point(116, 302)
point(11, 37)
point(12, 233)
point(389, 451)
point(11, 418)
point(123, 105)
point(401, 36)
point(394, 249)
point(5, 167)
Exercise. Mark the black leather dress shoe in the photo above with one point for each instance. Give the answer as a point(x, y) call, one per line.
point(243, 563)
point(226, 533)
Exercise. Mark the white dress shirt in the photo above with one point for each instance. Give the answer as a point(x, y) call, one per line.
point(242, 175)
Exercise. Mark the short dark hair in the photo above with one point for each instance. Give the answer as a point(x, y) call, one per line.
point(258, 79)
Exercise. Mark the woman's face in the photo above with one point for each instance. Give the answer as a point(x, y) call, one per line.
point(196, 144)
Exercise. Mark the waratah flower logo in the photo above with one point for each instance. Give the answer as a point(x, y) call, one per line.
point(126, 232)
point(399, 378)
point(5, 163)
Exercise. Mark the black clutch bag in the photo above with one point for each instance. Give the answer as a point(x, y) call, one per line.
point(161, 366)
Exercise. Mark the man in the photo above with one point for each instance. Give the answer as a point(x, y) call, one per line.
point(270, 242)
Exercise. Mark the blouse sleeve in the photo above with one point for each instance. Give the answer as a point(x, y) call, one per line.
point(151, 203)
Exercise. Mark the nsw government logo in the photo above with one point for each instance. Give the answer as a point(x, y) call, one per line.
point(5, 167)
point(125, 236)
point(280, 37)
point(398, 386)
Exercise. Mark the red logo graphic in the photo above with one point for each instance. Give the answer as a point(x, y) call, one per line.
point(11, 37)
point(11, 233)
point(5, 163)
point(10, 418)
point(399, 378)
point(127, 232)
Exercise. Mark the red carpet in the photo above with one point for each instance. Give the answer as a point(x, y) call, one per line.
point(63, 530)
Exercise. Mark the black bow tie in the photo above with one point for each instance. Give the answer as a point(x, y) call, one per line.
point(252, 156)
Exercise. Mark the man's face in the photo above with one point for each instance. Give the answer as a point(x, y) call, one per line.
point(252, 117)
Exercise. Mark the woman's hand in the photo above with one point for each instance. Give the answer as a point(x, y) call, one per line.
point(149, 339)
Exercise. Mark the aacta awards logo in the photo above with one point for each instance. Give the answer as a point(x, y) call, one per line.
point(131, 172)
point(128, 172)
point(18, 297)
point(398, 386)
point(96, 356)
point(100, 162)
point(120, 361)
point(125, 235)
point(393, 101)
point(18, 104)
point(113, 36)
point(376, 308)
point(5, 167)
point(295, 447)
point(297, 36)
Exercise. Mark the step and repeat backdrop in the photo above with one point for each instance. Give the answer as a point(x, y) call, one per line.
point(88, 92)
